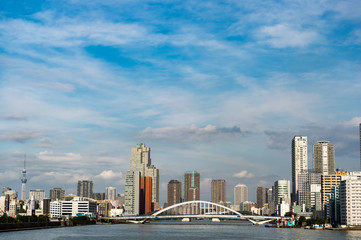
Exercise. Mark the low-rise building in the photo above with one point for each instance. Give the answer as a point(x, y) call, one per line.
point(72, 208)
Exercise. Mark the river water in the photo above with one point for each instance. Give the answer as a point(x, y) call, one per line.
point(178, 230)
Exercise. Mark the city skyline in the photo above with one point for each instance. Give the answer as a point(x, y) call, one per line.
point(84, 82)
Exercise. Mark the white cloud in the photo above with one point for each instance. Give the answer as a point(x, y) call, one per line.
point(60, 178)
point(283, 35)
point(353, 122)
point(243, 174)
point(59, 157)
point(109, 174)
point(19, 135)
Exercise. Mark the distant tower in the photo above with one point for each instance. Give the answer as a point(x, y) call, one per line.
point(299, 162)
point(23, 182)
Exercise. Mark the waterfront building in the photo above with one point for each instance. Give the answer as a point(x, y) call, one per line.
point(57, 194)
point(284, 207)
point(218, 191)
point(85, 188)
point(240, 194)
point(303, 196)
point(299, 162)
point(261, 196)
point(132, 192)
point(140, 166)
point(174, 192)
point(324, 157)
point(330, 180)
point(350, 199)
point(72, 208)
point(145, 195)
point(110, 193)
point(45, 206)
point(247, 206)
point(191, 186)
point(282, 192)
point(140, 161)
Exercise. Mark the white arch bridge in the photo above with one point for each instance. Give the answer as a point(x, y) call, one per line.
point(195, 210)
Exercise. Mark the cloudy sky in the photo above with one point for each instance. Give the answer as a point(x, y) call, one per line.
point(220, 87)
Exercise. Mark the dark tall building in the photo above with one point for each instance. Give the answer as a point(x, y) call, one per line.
point(46, 206)
point(57, 194)
point(145, 195)
point(99, 196)
point(218, 191)
point(261, 196)
point(85, 188)
point(191, 186)
point(174, 192)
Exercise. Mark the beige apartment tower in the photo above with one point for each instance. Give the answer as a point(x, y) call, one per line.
point(299, 162)
point(218, 191)
point(191, 186)
point(330, 180)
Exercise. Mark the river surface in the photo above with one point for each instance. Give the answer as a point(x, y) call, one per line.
point(178, 230)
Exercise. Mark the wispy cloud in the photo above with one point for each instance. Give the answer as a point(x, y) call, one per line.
point(18, 135)
point(243, 174)
point(192, 133)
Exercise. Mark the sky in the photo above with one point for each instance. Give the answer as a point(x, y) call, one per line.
point(220, 87)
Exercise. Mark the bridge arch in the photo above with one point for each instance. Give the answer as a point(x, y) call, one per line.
point(196, 202)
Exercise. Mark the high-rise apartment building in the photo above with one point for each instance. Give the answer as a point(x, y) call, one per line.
point(299, 162)
point(85, 188)
point(174, 192)
point(57, 194)
point(132, 192)
point(38, 195)
point(324, 157)
point(218, 191)
point(191, 186)
point(240, 194)
point(350, 199)
point(282, 192)
point(330, 180)
point(261, 196)
point(110, 193)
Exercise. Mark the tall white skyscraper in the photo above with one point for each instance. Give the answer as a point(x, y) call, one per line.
point(299, 162)
point(324, 157)
point(240, 194)
point(110, 193)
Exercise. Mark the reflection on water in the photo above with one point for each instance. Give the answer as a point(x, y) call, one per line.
point(178, 230)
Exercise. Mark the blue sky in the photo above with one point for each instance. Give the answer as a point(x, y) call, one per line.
point(220, 87)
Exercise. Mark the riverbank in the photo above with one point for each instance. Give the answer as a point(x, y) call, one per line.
point(8, 227)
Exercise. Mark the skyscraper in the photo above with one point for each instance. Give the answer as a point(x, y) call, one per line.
point(218, 191)
point(132, 192)
point(57, 194)
point(145, 195)
point(23, 182)
point(324, 157)
point(261, 196)
point(240, 194)
point(174, 192)
point(110, 193)
point(282, 192)
point(85, 189)
point(191, 186)
point(299, 162)
point(140, 166)
point(141, 161)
